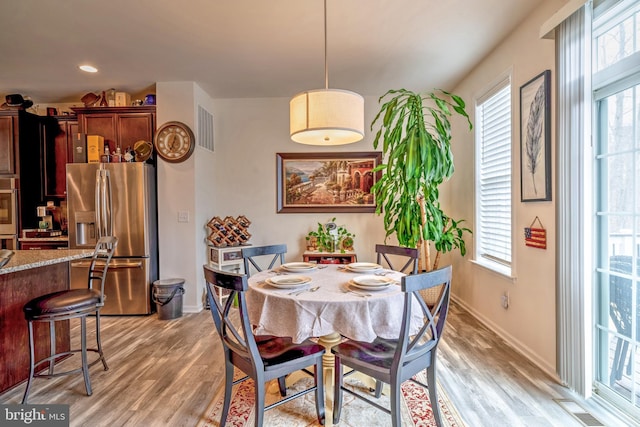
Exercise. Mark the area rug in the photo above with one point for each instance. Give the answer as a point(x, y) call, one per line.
point(300, 412)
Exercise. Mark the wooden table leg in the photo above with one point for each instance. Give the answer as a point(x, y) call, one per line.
point(328, 341)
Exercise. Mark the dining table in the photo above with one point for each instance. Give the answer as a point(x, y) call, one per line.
point(327, 302)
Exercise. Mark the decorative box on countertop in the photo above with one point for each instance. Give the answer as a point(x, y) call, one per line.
point(37, 233)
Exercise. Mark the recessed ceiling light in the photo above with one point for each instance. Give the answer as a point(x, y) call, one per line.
point(88, 68)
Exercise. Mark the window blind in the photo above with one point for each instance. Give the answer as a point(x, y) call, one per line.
point(493, 193)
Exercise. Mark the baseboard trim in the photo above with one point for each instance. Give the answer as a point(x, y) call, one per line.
point(510, 340)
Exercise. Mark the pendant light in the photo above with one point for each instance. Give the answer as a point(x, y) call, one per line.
point(326, 116)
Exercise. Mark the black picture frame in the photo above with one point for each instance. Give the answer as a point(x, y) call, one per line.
point(326, 182)
point(535, 138)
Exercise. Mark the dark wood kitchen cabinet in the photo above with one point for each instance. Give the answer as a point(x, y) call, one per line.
point(60, 133)
point(21, 157)
point(16, 289)
point(19, 130)
point(8, 123)
point(120, 126)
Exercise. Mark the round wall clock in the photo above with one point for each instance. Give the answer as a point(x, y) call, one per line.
point(174, 142)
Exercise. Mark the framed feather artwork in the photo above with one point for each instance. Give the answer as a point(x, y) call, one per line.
point(535, 138)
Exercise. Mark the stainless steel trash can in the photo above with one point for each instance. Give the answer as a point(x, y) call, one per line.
point(167, 294)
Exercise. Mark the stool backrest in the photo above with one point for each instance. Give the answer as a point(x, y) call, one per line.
point(100, 260)
point(5, 256)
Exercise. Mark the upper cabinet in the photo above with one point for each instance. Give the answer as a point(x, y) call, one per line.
point(21, 156)
point(120, 126)
point(60, 133)
point(8, 130)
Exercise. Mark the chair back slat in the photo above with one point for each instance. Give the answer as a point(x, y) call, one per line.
point(411, 264)
point(428, 337)
point(258, 256)
point(99, 265)
point(239, 340)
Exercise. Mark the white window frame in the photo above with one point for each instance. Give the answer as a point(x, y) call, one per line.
point(483, 255)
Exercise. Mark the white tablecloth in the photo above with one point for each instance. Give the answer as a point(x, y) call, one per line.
point(330, 309)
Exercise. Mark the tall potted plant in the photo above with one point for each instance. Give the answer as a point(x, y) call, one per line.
point(416, 143)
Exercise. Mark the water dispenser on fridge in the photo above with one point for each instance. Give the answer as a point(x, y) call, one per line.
point(85, 230)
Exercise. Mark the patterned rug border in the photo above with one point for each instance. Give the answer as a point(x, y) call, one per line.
point(301, 412)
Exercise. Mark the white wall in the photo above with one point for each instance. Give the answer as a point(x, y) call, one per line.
point(182, 244)
point(249, 133)
point(530, 321)
point(238, 178)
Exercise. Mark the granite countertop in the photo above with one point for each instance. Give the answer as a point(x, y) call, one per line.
point(24, 260)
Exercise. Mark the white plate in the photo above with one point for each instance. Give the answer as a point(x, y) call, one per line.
point(373, 281)
point(363, 267)
point(299, 266)
point(287, 281)
point(369, 288)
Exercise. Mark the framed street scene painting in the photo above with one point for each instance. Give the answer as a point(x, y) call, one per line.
point(326, 182)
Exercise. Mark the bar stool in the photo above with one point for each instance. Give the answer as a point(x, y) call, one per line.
point(71, 304)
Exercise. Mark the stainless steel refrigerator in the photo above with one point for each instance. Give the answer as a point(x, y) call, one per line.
point(116, 199)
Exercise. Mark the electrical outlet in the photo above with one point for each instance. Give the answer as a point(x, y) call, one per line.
point(505, 300)
point(183, 216)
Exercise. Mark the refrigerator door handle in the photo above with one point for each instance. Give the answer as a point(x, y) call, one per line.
point(112, 266)
point(108, 216)
point(98, 201)
point(104, 221)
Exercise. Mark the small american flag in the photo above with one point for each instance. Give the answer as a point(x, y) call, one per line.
point(535, 237)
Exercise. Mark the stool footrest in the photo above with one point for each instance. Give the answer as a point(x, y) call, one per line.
point(66, 353)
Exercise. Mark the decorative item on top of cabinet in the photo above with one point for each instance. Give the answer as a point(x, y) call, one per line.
point(229, 231)
point(120, 126)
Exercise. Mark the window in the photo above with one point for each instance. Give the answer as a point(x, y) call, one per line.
point(616, 36)
point(493, 179)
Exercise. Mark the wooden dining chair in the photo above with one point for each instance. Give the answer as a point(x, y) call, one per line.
point(257, 257)
point(387, 254)
point(261, 358)
point(71, 304)
point(394, 361)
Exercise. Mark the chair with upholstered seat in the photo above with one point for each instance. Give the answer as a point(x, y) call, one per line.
point(261, 358)
point(394, 361)
point(71, 304)
point(258, 258)
point(387, 254)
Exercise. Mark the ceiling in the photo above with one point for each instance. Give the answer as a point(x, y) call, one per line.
point(246, 48)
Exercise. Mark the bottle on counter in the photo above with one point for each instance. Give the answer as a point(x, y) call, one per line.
point(129, 156)
point(106, 157)
point(117, 156)
point(103, 101)
point(111, 97)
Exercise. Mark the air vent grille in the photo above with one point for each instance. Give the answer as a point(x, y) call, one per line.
point(579, 413)
point(205, 129)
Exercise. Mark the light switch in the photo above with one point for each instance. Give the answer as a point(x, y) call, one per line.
point(183, 216)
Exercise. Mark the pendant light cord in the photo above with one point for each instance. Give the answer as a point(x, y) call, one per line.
point(326, 66)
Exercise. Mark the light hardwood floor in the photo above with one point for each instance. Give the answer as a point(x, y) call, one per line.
point(165, 373)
